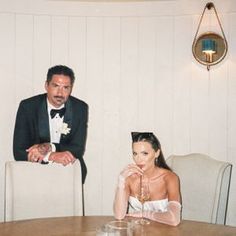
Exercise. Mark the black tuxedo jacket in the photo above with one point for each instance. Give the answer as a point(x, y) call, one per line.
point(32, 127)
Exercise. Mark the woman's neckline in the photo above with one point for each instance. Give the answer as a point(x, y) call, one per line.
point(158, 200)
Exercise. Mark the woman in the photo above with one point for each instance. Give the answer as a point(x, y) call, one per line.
point(164, 204)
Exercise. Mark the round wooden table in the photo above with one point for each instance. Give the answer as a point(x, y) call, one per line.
point(87, 225)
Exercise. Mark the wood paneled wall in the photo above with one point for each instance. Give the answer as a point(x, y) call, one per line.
point(134, 67)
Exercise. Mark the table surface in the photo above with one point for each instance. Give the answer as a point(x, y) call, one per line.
point(87, 225)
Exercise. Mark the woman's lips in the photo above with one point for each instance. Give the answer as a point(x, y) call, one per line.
point(140, 166)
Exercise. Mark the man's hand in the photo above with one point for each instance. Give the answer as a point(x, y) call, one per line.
point(64, 158)
point(37, 152)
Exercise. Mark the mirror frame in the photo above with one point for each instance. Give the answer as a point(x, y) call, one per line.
point(222, 48)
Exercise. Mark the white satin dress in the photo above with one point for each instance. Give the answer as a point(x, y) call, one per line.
point(157, 205)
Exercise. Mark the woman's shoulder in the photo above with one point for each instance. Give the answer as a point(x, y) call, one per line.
point(170, 176)
point(163, 174)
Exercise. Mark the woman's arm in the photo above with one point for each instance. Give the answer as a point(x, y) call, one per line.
point(121, 199)
point(170, 217)
point(123, 192)
point(173, 213)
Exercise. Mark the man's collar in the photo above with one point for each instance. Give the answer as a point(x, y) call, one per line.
point(50, 106)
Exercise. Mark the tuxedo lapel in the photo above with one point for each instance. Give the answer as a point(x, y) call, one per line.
point(43, 122)
point(67, 118)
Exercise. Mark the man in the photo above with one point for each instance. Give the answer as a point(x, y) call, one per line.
point(52, 127)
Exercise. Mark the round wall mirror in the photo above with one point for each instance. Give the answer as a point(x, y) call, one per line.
point(209, 48)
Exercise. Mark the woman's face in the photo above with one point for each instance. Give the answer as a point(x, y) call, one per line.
point(144, 155)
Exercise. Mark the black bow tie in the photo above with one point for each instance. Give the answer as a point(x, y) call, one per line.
point(61, 112)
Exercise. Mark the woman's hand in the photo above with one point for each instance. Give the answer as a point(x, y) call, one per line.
point(131, 169)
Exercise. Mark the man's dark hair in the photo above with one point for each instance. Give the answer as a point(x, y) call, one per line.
point(60, 70)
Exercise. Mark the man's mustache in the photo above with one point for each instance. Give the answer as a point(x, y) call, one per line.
point(60, 97)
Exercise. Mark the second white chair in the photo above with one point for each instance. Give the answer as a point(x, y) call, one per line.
point(33, 190)
point(204, 185)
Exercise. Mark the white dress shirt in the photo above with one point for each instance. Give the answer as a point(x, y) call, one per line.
point(55, 125)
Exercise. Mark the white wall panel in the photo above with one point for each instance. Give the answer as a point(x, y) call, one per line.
point(59, 40)
point(231, 116)
point(95, 77)
point(146, 73)
point(128, 88)
point(200, 117)
point(78, 54)
point(41, 51)
point(218, 112)
point(7, 95)
point(24, 56)
point(163, 83)
point(182, 82)
point(111, 95)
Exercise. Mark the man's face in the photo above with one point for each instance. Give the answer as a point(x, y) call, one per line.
point(58, 89)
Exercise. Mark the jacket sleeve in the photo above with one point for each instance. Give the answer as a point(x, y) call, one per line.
point(21, 137)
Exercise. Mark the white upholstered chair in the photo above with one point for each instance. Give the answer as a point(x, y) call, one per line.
point(204, 184)
point(33, 190)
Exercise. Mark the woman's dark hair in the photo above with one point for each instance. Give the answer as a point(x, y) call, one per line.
point(60, 70)
point(152, 139)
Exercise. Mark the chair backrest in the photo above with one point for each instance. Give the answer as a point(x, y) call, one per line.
point(33, 190)
point(204, 184)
